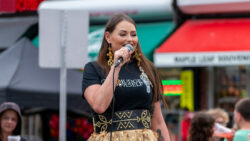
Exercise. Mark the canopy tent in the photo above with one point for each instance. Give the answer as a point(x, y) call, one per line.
point(210, 42)
point(24, 82)
point(150, 35)
point(12, 28)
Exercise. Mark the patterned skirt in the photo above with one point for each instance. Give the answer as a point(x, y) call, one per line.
point(126, 135)
point(128, 125)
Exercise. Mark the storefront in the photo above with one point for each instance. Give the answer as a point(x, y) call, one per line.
point(222, 47)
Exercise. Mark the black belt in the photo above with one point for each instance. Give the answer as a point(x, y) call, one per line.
point(122, 120)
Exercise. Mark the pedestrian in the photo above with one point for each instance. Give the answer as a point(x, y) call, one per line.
point(137, 92)
point(10, 121)
point(201, 127)
point(221, 117)
point(242, 120)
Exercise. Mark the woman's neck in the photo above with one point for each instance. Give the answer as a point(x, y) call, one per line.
point(4, 136)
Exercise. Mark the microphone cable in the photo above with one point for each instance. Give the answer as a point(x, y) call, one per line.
point(113, 105)
point(130, 48)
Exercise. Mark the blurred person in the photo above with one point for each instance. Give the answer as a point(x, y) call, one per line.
point(10, 120)
point(138, 89)
point(185, 124)
point(201, 127)
point(221, 117)
point(242, 119)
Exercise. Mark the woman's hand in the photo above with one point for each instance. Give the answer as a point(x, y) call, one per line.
point(124, 53)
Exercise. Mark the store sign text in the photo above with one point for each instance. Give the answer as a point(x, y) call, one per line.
point(212, 59)
point(193, 59)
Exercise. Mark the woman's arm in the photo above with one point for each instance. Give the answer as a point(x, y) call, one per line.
point(98, 96)
point(158, 122)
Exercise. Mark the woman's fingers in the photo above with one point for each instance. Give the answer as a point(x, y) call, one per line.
point(124, 53)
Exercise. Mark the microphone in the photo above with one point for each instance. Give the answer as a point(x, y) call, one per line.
point(127, 46)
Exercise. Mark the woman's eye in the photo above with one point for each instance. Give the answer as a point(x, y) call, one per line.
point(133, 35)
point(122, 34)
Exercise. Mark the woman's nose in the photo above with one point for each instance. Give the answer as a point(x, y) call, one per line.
point(130, 38)
point(9, 120)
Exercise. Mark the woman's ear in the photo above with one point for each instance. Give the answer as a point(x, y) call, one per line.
point(107, 36)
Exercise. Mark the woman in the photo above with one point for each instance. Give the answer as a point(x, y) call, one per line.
point(202, 127)
point(220, 115)
point(137, 110)
point(10, 120)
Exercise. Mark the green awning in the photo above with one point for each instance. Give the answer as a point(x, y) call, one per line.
point(150, 35)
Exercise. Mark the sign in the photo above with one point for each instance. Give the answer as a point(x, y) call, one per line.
point(63, 44)
point(187, 97)
point(7, 6)
point(13, 6)
point(76, 38)
point(202, 59)
point(172, 87)
point(101, 11)
point(27, 5)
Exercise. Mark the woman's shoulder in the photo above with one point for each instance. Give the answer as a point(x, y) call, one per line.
point(92, 65)
point(93, 68)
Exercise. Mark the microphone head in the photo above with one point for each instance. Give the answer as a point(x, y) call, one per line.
point(129, 47)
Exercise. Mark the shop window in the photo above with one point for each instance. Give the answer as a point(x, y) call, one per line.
point(230, 86)
point(169, 75)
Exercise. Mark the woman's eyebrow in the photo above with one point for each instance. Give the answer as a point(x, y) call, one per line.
point(122, 30)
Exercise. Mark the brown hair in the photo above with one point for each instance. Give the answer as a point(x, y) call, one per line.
point(243, 107)
point(201, 128)
point(148, 67)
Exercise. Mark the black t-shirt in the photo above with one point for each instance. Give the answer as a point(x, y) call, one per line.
point(131, 94)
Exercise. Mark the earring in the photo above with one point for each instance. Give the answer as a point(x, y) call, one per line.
point(137, 57)
point(110, 55)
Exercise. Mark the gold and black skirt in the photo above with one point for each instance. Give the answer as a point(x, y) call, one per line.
point(129, 125)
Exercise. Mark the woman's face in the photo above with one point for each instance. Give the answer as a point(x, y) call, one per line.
point(124, 33)
point(9, 121)
point(221, 121)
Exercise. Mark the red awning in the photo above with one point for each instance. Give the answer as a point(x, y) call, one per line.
point(212, 42)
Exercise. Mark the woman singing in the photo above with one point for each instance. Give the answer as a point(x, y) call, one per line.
point(137, 92)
